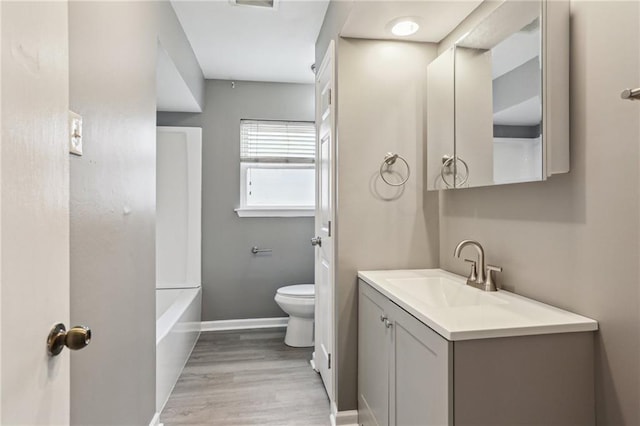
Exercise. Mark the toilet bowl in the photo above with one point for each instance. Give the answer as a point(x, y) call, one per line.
point(299, 302)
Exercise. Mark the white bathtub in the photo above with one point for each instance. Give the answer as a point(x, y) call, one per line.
point(177, 330)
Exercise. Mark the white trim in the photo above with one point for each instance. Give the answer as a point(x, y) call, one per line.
point(155, 421)
point(343, 418)
point(244, 324)
point(275, 212)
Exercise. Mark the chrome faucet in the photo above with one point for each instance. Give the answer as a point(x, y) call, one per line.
point(481, 275)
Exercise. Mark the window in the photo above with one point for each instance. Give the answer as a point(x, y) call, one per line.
point(277, 170)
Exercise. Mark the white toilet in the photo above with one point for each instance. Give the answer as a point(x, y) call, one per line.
point(299, 302)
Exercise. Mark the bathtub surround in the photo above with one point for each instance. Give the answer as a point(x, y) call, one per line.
point(237, 284)
point(178, 207)
point(178, 252)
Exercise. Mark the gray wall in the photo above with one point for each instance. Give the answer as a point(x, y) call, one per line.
point(235, 283)
point(573, 241)
point(334, 19)
point(382, 102)
point(112, 85)
point(175, 42)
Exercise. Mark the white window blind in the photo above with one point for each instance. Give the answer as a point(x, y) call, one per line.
point(277, 141)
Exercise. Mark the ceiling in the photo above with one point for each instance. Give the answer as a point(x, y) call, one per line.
point(515, 51)
point(371, 19)
point(526, 113)
point(233, 42)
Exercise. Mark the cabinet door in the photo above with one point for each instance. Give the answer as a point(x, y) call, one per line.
point(421, 373)
point(373, 358)
point(440, 121)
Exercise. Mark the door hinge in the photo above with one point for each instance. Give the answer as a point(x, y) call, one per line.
point(329, 230)
point(329, 362)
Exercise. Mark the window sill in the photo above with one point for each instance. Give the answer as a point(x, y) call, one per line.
point(275, 212)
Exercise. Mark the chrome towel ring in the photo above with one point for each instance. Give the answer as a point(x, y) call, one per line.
point(447, 162)
point(389, 160)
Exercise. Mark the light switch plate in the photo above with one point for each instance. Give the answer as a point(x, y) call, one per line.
point(75, 133)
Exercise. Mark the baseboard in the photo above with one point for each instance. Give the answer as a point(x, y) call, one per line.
point(244, 324)
point(343, 418)
point(155, 421)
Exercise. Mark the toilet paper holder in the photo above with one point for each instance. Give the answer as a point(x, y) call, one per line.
point(256, 250)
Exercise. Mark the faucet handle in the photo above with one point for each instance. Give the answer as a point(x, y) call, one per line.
point(490, 285)
point(473, 274)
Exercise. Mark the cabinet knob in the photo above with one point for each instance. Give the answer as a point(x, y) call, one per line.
point(383, 318)
point(388, 323)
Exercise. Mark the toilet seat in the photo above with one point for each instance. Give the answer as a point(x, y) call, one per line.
point(302, 291)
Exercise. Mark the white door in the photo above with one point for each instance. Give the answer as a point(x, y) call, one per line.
point(34, 206)
point(324, 264)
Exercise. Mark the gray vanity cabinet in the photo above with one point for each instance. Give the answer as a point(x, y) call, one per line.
point(409, 375)
point(404, 374)
point(374, 339)
point(420, 373)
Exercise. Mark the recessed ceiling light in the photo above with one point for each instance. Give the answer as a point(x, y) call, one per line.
point(404, 27)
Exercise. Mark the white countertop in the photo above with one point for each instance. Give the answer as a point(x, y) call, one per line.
point(456, 311)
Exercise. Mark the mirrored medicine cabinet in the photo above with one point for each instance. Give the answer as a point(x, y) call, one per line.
point(498, 99)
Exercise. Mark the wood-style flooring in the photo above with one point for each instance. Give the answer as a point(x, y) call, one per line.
point(244, 378)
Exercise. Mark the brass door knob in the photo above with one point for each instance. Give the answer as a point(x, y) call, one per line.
point(76, 338)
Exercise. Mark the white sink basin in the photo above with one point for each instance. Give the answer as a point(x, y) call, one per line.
point(441, 292)
point(456, 311)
